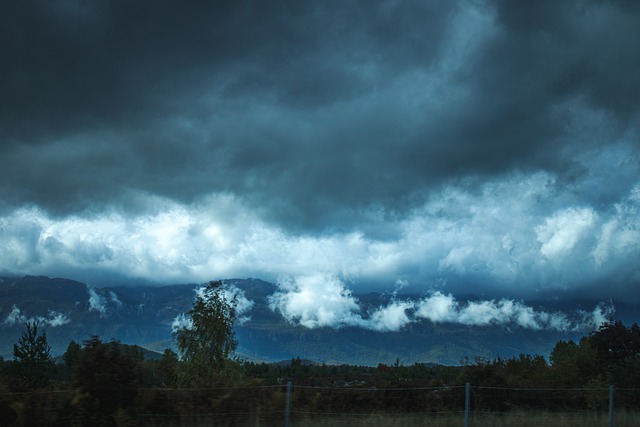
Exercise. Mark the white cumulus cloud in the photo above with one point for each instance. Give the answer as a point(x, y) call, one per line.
point(563, 230)
point(511, 236)
point(316, 301)
point(392, 317)
point(302, 301)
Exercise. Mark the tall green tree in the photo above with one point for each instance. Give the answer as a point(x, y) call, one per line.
point(32, 357)
point(618, 352)
point(109, 375)
point(205, 344)
point(71, 356)
point(614, 342)
point(573, 364)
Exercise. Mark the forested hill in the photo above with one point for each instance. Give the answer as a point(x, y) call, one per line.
point(143, 315)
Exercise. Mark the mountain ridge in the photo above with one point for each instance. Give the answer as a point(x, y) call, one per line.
point(143, 315)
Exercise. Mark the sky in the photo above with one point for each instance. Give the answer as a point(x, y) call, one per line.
point(440, 148)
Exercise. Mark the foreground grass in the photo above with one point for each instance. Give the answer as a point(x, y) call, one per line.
point(520, 419)
point(448, 419)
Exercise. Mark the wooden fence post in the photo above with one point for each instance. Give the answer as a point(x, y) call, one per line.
point(467, 388)
point(287, 410)
point(611, 405)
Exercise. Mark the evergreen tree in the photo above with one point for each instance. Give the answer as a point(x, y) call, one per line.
point(168, 367)
point(32, 357)
point(71, 357)
point(109, 374)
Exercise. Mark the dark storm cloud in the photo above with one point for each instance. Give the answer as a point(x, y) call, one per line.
point(481, 144)
point(591, 48)
point(75, 64)
point(278, 101)
point(540, 59)
point(135, 78)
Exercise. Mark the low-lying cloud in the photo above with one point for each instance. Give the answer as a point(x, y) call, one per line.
point(316, 301)
point(440, 308)
point(303, 301)
point(241, 303)
point(100, 300)
point(231, 294)
point(17, 317)
point(97, 302)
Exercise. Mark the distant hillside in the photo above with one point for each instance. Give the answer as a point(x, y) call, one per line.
point(72, 310)
point(143, 315)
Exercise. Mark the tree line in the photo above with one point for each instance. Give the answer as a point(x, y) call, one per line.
point(110, 383)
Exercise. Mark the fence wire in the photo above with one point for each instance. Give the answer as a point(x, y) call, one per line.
point(311, 406)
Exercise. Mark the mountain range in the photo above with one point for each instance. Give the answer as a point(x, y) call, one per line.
point(144, 315)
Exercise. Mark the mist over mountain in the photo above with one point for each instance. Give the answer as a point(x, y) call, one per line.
point(285, 320)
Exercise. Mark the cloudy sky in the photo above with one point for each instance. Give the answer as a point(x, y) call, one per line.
point(435, 147)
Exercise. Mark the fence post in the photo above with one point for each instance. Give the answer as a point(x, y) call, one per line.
point(467, 386)
point(611, 405)
point(287, 410)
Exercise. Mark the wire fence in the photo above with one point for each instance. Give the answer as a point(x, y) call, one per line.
point(467, 405)
point(292, 405)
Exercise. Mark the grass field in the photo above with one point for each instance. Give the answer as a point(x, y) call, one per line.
point(449, 419)
point(519, 419)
